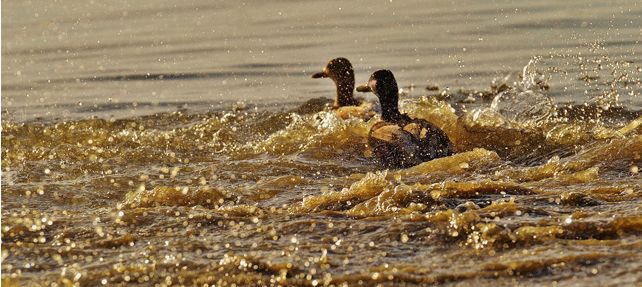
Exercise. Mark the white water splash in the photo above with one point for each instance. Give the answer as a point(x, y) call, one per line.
point(525, 102)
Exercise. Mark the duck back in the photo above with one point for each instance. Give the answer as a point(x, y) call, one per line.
point(365, 111)
point(408, 142)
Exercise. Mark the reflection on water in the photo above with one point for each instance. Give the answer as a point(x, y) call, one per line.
point(173, 148)
point(267, 198)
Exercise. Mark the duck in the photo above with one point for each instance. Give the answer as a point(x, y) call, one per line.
point(398, 140)
point(345, 105)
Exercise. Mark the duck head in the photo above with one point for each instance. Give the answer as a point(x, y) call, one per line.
point(341, 72)
point(383, 84)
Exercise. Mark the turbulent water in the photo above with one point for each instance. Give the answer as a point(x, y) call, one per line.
point(544, 189)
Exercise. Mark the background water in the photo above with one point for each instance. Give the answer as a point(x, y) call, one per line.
point(164, 143)
point(79, 58)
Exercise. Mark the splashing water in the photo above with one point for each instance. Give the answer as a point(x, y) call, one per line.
point(525, 102)
point(255, 196)
point(181, 157)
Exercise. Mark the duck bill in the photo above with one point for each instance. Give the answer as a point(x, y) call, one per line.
point(364, 89)
point(319, 75)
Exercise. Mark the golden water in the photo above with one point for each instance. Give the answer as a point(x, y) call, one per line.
point(161, 144)
point(275, 198)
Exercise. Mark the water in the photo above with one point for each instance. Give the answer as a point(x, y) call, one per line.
point(77, 59)
point(160, 144)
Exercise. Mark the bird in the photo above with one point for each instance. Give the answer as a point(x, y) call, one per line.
point(398, 140)
point(345, 104)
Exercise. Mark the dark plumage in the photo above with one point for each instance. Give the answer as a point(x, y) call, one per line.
point(345, 105)
point(399, 140)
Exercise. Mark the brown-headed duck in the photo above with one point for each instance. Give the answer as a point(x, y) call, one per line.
point(345, 105)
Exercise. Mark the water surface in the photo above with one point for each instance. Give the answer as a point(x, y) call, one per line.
point(160, 144)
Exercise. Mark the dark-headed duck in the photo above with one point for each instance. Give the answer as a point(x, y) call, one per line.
point(345, 105)
point(399, 140)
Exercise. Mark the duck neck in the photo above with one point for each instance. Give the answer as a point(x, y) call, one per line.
point(390, 108)
point(344, 94)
